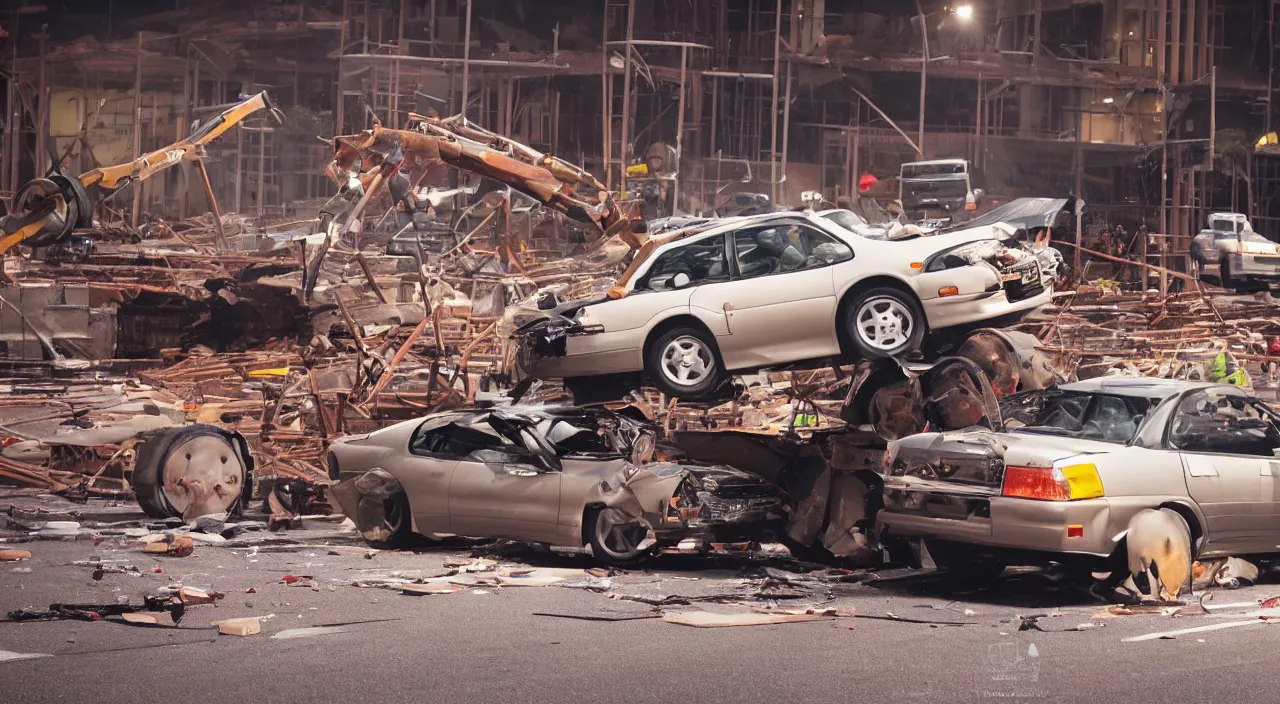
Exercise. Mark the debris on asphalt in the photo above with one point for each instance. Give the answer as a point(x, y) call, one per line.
point(14, 555)
point(602, 616)
point(708, 619)
point(239, 626)
point(1228, 573)
point(291, 633)
point(174, 546)
point(174, 602)
point(429, 588)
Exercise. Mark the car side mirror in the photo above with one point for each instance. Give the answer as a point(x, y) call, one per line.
point(680, 280)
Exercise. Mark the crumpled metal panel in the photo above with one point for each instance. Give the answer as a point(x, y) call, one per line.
point(1026, 213)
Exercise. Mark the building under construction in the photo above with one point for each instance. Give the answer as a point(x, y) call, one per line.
point(1151, 110)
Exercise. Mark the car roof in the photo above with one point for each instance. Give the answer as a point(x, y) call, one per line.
point(1144, 387)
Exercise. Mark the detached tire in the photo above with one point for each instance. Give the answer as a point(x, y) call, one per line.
point(685, 363)
point(175, 465)
point(884, 322)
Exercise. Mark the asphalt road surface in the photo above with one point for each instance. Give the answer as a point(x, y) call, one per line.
point(485, 644)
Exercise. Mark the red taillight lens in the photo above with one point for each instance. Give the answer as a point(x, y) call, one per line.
point(1034, 483)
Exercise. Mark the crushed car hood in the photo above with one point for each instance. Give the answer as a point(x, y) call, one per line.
point(1027, 213)
point(668, 495)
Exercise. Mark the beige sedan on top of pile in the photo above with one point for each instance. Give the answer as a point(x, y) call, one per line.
point(734, 294)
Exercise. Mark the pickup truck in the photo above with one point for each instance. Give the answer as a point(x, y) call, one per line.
point(1229, 253)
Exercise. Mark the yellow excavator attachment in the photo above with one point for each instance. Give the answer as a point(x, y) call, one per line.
point(45, 210)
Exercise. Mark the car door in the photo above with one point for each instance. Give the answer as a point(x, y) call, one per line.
point(507, 499)
point(1228, 450)
point(780, 305)
point(668, 284)
point(425, 471)
point(511, 491)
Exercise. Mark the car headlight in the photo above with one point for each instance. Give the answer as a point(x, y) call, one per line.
point(958, 256)
point(991, 252)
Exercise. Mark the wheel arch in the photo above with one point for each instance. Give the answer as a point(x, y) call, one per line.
point(857, 288)
point(677, 321)
point(1194, 523)
point(588, 527)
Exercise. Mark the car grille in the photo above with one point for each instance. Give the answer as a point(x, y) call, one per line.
point(715, 508)
point(1262, 259)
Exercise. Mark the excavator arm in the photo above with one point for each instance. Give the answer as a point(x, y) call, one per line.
point(553, 182)
point(45, 210)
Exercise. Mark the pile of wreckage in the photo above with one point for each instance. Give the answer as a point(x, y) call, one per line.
point(205, 364)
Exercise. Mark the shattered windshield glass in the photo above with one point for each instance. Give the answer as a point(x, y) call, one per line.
point(1076, 414)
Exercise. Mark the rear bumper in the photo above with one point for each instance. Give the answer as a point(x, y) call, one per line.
point(1016, 524)
point(959, 310)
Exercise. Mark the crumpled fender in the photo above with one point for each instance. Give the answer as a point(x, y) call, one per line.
point(642, 492)
point(363, 500)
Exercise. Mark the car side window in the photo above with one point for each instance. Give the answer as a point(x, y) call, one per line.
point(699, 262)
point(784, 248)
point(452, 440)
point(1212, 421)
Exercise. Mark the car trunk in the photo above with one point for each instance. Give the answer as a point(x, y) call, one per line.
point(954, 475)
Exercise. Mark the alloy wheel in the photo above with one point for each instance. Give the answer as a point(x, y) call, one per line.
point(884, 323)
point(619, 534)
point(687, 361)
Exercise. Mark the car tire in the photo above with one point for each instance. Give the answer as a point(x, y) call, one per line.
point(884, 322)
point(685, 352)
point(157, 450)
point(397, 517)
point(614, 540)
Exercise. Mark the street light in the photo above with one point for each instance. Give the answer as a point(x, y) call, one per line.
point(965, 13)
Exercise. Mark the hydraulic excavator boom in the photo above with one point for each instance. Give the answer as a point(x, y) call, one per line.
point(46, 210)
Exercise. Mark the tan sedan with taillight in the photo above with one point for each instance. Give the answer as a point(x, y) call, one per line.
point(1069, 471)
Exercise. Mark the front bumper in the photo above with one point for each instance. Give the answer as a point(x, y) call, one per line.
point(1015, 524)
point(960, 310)
point(1256, 267)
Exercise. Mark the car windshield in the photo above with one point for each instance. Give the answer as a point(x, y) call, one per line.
point(847, 219)
point(945, 168)
point(1089, 416)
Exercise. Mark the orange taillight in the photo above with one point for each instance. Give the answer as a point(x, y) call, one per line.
point(1034, 483)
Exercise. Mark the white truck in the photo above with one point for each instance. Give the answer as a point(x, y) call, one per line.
point(1229, 253)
